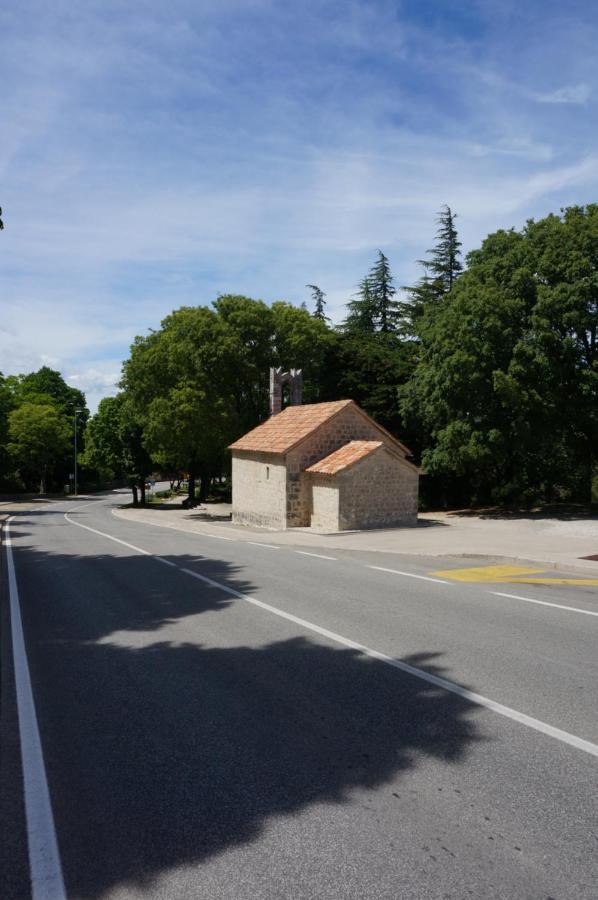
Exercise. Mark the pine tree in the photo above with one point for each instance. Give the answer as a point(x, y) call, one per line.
point(319, 302)
point(441, 270)
point(362, 313)
point(383, 291)
point(445, 264)
point(374, 307)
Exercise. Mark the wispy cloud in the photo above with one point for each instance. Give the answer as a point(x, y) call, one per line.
point(577, 94)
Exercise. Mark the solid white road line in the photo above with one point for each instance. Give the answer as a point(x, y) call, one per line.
point(407, 574)
point(44, 859)
point(317, 555)
point(585, 612)
point(109, 536)
point(478, 699)
point(260, 544)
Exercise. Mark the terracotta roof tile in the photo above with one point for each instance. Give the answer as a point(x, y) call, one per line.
point(344, 457)
point(282, 432)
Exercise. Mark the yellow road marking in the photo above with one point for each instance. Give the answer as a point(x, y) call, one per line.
point(505, 574)
point(487, 573)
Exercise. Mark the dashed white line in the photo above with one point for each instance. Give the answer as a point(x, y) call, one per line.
point(585, 612)
point(260, 544)
point(478, 699)
point(44, 859)
point(317, 555)
point(407, 574)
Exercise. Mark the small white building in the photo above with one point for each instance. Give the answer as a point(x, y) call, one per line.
point(328, 465)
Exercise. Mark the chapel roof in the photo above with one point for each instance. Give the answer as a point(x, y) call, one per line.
point(287, 429)
point(282, 432)
point(344, 457)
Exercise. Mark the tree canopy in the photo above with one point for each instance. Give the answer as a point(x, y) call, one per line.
point(505, 394)
point(33, 405)
point(39, 437)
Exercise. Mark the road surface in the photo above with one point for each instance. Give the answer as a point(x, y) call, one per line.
point(213, 718)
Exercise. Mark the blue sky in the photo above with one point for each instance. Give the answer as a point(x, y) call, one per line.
point(154, 155)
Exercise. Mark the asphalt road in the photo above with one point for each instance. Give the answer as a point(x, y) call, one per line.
point(220, 719)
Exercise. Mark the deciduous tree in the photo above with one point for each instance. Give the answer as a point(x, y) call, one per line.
point(39, 438)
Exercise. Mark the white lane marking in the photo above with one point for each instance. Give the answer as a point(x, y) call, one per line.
point(478, 699)
point(166, 562)
point(109, 536)
point(268, 546)
point(44, 859)
point(408, 574)
point(216, 537)
point(317, 555)
point(585, 612)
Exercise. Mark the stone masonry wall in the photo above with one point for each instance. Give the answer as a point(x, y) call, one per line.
point(259, 490)
point(377, 492)
point(325, 503)
point(347, 426)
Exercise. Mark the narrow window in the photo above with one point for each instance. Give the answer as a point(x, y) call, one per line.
point(267, 472)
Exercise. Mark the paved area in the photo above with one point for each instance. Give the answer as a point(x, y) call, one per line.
point(555, 543)
point(232, 719)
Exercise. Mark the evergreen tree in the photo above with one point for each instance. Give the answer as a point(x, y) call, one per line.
point(319, 302)
point(441, 270)
point(362, 314)
point(374, 307)
point(1, 222)
point(444, 263)
point(383, 292)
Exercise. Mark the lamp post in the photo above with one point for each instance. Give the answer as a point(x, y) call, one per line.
point(77, 411)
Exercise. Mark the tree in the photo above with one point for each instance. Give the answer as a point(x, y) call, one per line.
point(114, 445)
point(6, 404)
point(48, 386)
point(506, 392)
point(39, 437)
point(441, 271)
point(319, 303)
point(250, 340)
point(368, 368)
point(362, 312)
point(374, 308)
point(179, 382)
point(1, 222)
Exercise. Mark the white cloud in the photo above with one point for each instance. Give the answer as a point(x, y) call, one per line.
point(577, 94)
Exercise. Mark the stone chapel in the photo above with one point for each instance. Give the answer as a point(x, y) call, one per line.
point(325, 465)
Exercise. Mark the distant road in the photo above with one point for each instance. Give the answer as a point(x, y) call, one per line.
point(225, 719)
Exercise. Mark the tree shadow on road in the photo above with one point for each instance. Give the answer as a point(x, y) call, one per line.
point(164, 751)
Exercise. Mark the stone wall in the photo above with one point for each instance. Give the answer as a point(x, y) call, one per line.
point(325, 502)
point(259, 489)
point(347, 426)
point(378, 492)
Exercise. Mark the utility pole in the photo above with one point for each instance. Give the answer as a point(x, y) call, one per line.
point(76, 412)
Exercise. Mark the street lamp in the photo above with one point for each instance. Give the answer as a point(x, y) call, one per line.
point(77, 411)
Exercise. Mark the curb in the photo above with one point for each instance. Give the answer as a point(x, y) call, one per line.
point(488, 557)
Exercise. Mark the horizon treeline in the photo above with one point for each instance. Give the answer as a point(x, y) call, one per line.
point(487, 368)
